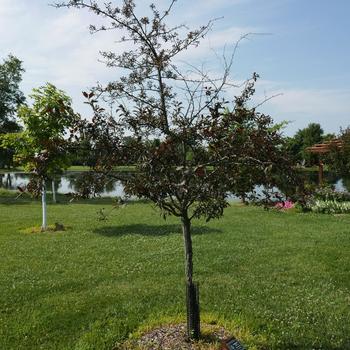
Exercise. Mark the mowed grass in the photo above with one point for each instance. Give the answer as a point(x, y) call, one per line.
point(275, 280)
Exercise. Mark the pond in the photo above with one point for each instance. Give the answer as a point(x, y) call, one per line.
point(67, 183)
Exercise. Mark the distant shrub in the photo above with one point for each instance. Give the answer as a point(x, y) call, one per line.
point(329, 194)
point(329, 206)
point(326, 200)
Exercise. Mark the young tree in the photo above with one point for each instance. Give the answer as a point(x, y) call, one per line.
point(191, 149)
point(10, 99)
point(42, 147)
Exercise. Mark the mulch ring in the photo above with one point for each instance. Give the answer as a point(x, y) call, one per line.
point(174, 337)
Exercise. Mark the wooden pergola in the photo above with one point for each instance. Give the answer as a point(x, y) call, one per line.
point(322, 148)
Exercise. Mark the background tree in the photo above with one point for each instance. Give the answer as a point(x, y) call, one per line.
point(191, 149)
point(42, 148)
point(305, 138)
point(339, 157)
point(80, 154)
point(10, 99)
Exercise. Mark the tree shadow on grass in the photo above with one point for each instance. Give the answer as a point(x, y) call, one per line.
point(150, 230)
point(10, 199)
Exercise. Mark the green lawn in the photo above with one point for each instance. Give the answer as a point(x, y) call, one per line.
point(121, 168)
point(17, 169)
point(276, 280)
point(73, 168)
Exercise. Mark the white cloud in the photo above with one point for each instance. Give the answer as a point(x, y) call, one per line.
point(300, 106)
point(56, 46)
point(10, 8)
point(329, 107)
point(215, 45)
point(11, 15)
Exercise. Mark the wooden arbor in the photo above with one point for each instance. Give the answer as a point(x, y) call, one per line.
point(322, 148)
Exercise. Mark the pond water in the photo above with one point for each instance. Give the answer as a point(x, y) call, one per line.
point(66, 183)
point(63, 184)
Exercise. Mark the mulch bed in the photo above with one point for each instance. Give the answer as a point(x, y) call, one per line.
point(174, 337)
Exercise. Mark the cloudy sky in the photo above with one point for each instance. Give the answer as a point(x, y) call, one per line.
point(302, 54)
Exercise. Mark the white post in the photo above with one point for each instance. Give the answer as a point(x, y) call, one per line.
point(53, 191)
point(43, 201)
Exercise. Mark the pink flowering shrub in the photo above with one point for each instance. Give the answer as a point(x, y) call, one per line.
point(285, 205)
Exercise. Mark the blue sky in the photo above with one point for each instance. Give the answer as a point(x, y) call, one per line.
point(303, 55)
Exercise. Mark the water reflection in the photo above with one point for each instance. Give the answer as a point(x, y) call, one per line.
point(13, 180)
point(340, 184)
point(67, 183)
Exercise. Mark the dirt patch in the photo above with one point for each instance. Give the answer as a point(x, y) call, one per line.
point(174, 337)
point(50, 228)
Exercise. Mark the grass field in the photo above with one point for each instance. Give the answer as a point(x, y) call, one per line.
point(127, 168)
point(73, 168)
point(275, 280)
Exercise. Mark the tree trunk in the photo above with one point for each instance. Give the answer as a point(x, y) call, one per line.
point(43, 202)
point(53, 191)
point(320, 173)
point(8, 181)
point(192, 296)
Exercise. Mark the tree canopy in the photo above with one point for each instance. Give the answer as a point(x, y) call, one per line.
point(10, 99)
point(10, 95)
point(42, 146)
point(191, 147)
